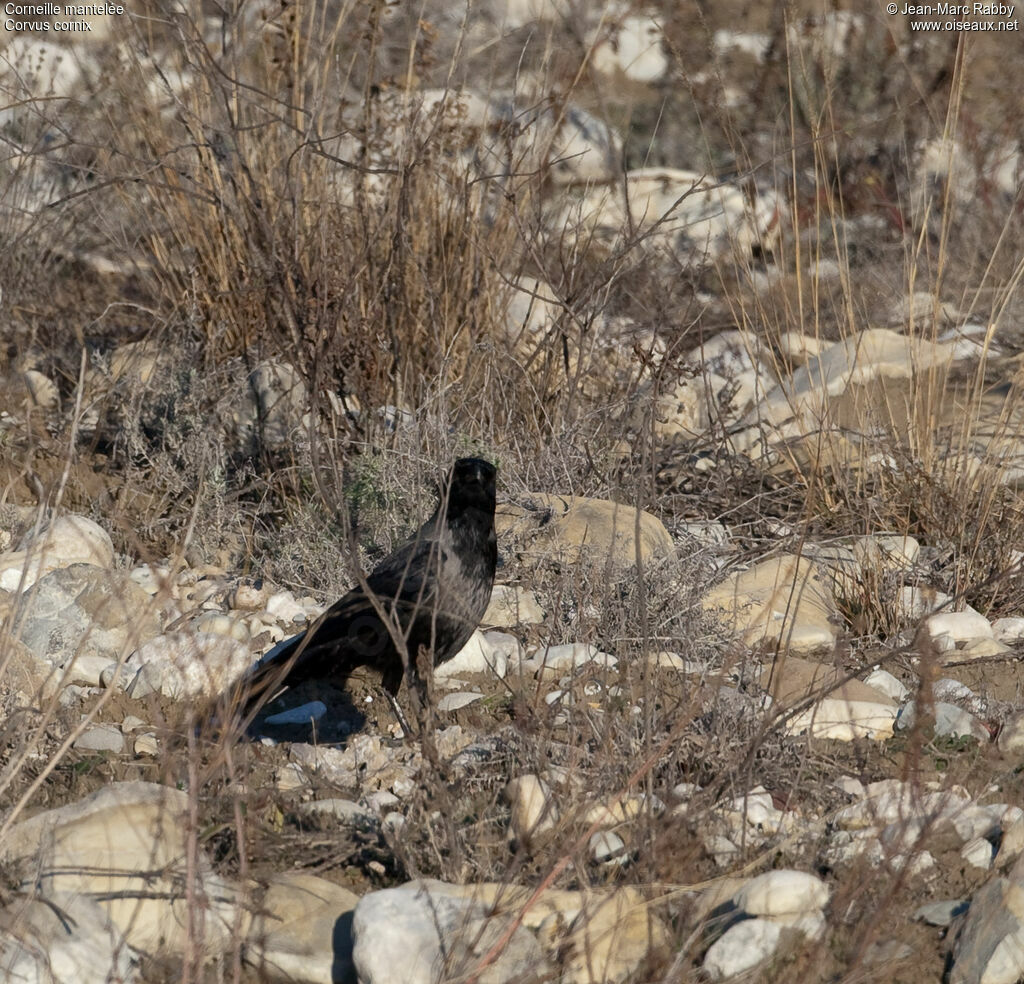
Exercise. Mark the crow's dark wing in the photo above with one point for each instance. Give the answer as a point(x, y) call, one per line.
point(350, 633)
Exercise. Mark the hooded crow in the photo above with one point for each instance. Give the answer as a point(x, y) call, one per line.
point(430, 594)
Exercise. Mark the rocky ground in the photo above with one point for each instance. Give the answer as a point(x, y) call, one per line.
point(731, 298)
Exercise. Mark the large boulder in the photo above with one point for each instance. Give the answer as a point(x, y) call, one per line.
point(127, 847)
point(572, 529)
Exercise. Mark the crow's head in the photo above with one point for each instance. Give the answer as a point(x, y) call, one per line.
point(471, 485)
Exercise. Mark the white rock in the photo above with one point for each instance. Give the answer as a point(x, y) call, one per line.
point(150, 577)
point(633, 48)
point(88, 669)
point(62, 938)
point(36, 70)
point(1008, 630)
point(41, 389)
point(990, 945)
point(249, 597)
point(216, 623)
point(101, 738)
point(782, 892)
point(979, 649)
point(742, 947)
point(511, 605)
point(914, 602)
point(941, 913)
point(533, 809)
point(950, 690)
point(477, 656)
point(755, 45)
point(1011, 734)
point(887, 684)
point(851, 786)
point(842, 719)
point(454, 702)
point(185, 664)
point(723, 850)
point(809, 924)
point(67, 540)
point(965, 626)
point(300, 933)
point(146, 744)
point(607, 847)
point(950, 721)
point(285, 608)
point(903, 812)
point(573, 654)
point(506, 644)
point(126, 845)
point(757, 809)
point(404, 934)
point(978, 852)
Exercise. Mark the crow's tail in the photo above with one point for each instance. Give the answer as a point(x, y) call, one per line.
point(241, 701)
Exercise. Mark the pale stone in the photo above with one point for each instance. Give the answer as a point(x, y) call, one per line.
point(126, 845)
point(344, 810)
point(455, 702)
point(477, 656)
point(100, 738)
point(845, 712)
point(861, 357)
point(914, 602)
point(302, 931)
point(611, 937)
point(182, 664)
point(60, 938)
point(978, 853)
point(782, 892)
point(216, 623)
point(886, 551)
point(533, 810)
point(33, 70)
point(41, 389)
point(742, 947)
point(569, 529)
point(511, 605)
point(1011, 734)
point(886, 683)
point(570, 655)
point(607, 847)
point(67, 540)
point(977, 649)
point(941, 913)
point(83, 618)
point(633, 47)
point(782, 600)
point(283, 606)
point(990, 946)
point(249, 597)
point(146, 744)
point(685, 212)
point(962, 627)
point(272, 411)
point(424, 931)
point(1008, 630)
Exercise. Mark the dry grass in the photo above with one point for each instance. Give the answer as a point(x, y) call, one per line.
point(294, 203)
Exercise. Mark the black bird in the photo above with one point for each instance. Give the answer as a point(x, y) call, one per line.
point(433, 590)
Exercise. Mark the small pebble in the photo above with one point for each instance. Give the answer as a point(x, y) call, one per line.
point(146, 744)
